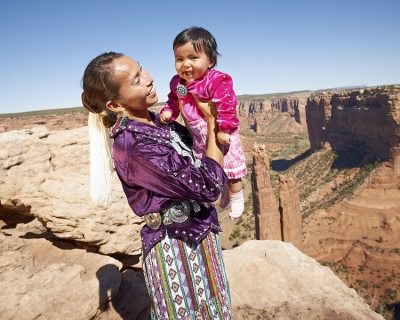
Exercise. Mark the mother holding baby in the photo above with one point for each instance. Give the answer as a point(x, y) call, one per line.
point(164, 183)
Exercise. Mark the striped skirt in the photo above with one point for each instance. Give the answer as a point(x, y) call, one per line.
point(186, 280)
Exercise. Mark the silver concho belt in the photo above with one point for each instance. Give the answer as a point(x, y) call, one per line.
point(177, 212)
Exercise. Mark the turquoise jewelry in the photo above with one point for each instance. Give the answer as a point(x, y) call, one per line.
point(124, 121)
point(176, 213)
point(182, 90)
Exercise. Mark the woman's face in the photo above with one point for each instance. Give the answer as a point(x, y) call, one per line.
point(136, 92)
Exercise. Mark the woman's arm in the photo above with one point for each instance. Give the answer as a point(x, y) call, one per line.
point(214, 149)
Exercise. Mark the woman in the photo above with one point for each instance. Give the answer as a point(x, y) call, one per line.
point(164, 184)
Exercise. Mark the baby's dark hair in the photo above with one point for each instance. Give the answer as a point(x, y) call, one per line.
point(99, 86)
point(201, 40)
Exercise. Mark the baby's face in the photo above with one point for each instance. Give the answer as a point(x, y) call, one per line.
point(189, 64)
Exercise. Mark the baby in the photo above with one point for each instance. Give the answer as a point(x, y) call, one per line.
point(195, 51)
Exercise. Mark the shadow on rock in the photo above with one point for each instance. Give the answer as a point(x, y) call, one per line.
point(395, 308)
point(352, 158)
point(123, 293)
point(282, 165)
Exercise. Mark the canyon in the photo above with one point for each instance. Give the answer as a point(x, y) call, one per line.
point(62, 257)
point(349, 183)
point(301, 198)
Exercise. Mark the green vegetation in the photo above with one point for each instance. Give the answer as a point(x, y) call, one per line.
point(261, 97)
point(235, 234)
point(44, 112)
point(310, 180)
point(61, 111)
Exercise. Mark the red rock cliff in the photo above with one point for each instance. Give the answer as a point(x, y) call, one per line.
point(289, 207)
point(367, 122)
point(267, 217)
point(266, 115)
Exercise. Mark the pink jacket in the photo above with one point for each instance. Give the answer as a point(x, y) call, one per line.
point(215, 86)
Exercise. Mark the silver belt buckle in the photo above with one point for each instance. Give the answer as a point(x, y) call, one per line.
point(153, 220)
point(177, 212)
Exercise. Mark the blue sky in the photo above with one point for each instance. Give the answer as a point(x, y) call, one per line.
point(266, 46)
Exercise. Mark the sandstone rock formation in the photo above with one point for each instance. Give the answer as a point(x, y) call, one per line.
point(273, 114)
point(51, 279)
point(43, 277)
point(273, 280)
point(51, 121)
point(45, 174)
point(361, 233)
point(289, 207)
point(265, 205)
point(366, 122)
point(273, 222)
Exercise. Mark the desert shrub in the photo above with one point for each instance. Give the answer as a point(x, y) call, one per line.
point(235, 233)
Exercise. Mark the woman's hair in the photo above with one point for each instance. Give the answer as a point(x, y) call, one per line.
point(99, 86)
point(201, 40)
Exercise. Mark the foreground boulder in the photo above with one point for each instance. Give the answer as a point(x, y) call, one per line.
point(43, 277)
point(271, 279)
point(50, 279)
point(45, 174)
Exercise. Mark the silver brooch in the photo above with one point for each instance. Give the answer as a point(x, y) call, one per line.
point(182, 90)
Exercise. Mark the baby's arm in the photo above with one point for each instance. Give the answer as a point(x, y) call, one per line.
point(170, 111)
point(225, 99)
point(165, 116)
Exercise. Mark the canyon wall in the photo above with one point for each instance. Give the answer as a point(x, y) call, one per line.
point(275, 114)
point(365, 123)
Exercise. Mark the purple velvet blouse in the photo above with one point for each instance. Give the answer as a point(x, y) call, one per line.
point(153, 175)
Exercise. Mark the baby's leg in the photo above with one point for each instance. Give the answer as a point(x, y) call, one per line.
point(237, 200)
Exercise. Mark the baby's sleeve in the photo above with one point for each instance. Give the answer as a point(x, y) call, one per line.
point(172, 103)
point(224, 98)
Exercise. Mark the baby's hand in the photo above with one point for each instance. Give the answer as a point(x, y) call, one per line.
point(223, 137)
point(165, 116)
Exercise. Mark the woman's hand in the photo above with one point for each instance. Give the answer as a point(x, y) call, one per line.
point(208, 108)
point(223, 138)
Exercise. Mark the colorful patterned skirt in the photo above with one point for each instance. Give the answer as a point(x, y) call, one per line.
point(186, 280)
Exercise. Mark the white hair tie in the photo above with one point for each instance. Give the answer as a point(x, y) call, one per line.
point(101, 164)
